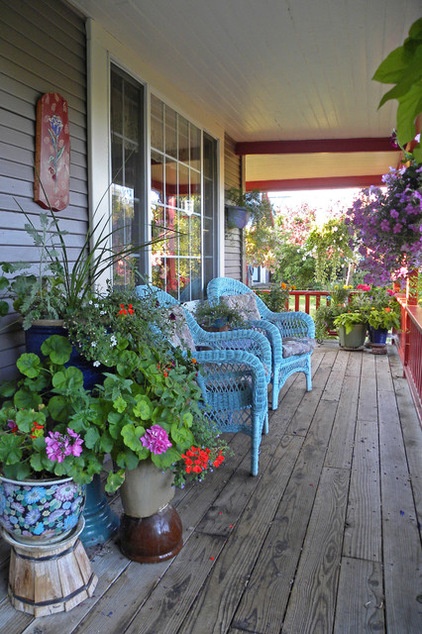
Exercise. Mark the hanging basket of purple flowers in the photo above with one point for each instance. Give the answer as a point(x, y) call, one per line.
point(386, 226)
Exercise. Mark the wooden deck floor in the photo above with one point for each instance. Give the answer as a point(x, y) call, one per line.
point(326, 539)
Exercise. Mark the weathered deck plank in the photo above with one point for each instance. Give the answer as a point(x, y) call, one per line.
point(327, 539)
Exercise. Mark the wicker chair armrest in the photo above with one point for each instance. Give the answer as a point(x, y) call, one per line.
point(237, 361)
point(293, 323)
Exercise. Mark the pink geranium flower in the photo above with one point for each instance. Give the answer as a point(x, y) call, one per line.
point(156, 439)
point(58, 445)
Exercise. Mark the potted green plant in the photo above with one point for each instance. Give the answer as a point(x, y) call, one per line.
point(352, 327)
point(151, 407)
point(244, 207)
point(325, 314)
point(48, 431)
point(215, 317)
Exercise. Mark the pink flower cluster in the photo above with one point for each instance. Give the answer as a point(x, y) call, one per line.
point(156, 439)
point(58, 445)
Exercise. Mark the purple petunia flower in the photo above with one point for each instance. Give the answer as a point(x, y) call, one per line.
point(156, 439)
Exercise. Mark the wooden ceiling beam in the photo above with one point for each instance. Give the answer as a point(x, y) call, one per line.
point(335, 182)
point(379, 144)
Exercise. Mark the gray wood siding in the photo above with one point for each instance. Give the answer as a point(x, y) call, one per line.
point(42, 49)
point(233, 244)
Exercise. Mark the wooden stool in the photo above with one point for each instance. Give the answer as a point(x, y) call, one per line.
point(46, 579)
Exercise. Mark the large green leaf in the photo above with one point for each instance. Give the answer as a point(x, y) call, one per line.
point(58, 348)
point(29, 364)
point(390, 70)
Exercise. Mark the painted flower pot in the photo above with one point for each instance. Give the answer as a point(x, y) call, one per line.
point(378, 335)
point(353, 340)
point(150, 527)
point(40, 511)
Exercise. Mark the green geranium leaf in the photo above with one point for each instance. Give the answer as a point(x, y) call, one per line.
point(25, 419)
point(181, 436)
point(91, 437)
point(187, 419)
point(165, 460)
point(114, 481)
point(68, 380)
point(131, 437)
point(29, 364)
point(58, 348)
point(143, 407)
point(126, 459)
point(119, 404)
point(106, 443)
point(27, 400)
point(11, 450)
point(59, 407)
point(7, 389)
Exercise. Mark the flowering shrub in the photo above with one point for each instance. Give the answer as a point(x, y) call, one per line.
point(47, 422)
point(386, 226)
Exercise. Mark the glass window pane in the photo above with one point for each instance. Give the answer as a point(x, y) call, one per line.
point(127, 165)
point(195, 147)
point(157, 124)
point(183, 140)
point(177, 184)
point(157, 178)
point(170, 132)
point(171, 182)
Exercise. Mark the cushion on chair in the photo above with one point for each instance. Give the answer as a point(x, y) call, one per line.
point(296, 345)
point(181, 336)
point(245, 305)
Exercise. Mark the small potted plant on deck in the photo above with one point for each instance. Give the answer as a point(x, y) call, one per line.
point(352, 328)
point(217, 317)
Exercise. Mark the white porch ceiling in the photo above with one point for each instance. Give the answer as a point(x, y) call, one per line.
point(274, 70)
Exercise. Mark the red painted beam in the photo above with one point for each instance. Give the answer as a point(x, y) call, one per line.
point(335, 182)
point(376, 144)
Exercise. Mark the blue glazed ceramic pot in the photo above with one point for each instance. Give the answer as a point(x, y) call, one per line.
point(40, 511)
point(378, 335)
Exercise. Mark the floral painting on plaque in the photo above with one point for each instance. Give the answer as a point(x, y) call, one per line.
point(52, 153)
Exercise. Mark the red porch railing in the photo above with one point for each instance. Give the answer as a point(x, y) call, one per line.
point(409, 343)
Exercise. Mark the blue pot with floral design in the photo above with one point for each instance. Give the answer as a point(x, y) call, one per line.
point(40, 511)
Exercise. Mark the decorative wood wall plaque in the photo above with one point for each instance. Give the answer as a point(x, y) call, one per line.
point(52, 153)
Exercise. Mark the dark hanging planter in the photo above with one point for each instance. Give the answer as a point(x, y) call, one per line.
point(237, 217)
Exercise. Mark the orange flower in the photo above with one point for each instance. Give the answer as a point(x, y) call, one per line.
point(37, 430)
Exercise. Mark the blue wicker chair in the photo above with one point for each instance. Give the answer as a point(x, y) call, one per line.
point(293, 342)
point(235, 369)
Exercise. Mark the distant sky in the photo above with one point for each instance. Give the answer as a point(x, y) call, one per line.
point(319, 199)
